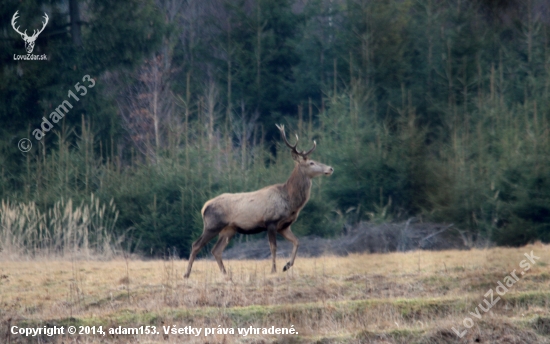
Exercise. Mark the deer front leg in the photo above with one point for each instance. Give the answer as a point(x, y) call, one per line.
point(288, 235)
point(272, 235)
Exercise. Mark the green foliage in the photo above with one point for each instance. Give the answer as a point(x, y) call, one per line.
point(121, 33)
point(437, 109)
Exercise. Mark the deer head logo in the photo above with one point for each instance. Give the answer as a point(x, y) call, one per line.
point(29, 40)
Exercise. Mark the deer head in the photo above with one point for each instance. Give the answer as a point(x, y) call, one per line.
point(310, 167)
point(29, 40)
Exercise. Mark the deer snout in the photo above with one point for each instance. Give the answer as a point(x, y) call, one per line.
point(329, 171)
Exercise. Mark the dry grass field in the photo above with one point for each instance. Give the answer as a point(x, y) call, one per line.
point(413, 297)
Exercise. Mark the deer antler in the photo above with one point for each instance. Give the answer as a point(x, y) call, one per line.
point(303, 154)
point(13, 20)
point(34, 34)
point(282, 130)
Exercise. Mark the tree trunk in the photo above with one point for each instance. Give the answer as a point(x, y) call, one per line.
point(74, 13)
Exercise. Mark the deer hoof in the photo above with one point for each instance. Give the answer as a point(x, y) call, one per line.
point(186, 276)
point(287, 266)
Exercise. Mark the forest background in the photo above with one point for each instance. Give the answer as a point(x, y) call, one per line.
point(434, 109)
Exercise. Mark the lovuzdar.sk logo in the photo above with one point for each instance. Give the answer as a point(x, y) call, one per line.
point(29, 40)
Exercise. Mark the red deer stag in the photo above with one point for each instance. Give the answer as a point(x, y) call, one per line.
point(272, 209)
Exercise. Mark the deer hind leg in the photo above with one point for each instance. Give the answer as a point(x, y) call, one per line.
point(206, 236)
point(288, 235)
point(225, 235)
point(272, 235)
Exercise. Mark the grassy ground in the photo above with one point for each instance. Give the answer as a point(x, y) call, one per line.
point(415, 297)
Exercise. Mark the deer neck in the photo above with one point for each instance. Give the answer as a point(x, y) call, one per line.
point(298, 187)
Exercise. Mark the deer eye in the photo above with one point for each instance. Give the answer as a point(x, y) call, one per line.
point(311, 163)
